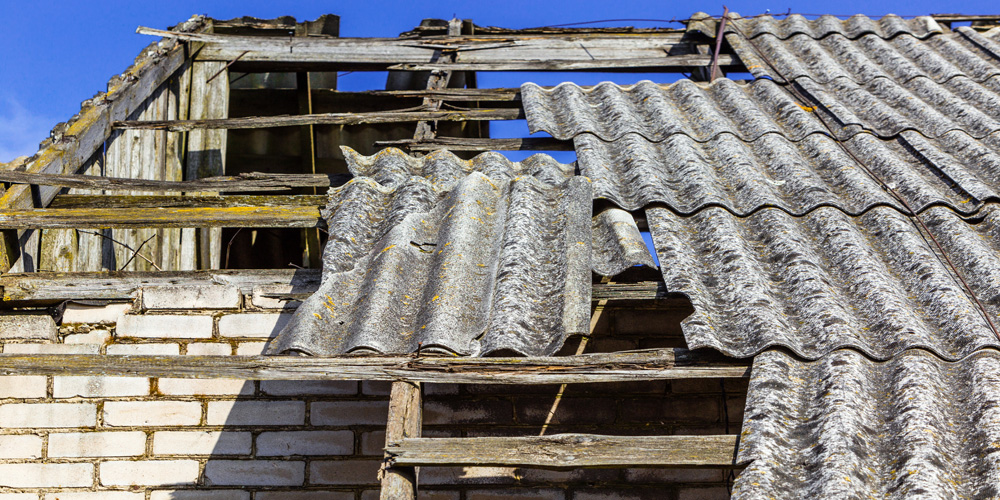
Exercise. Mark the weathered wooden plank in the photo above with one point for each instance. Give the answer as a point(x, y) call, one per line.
point(195, 201)
point(654, 364)
point(405, 421)
point(48, 288)
point(650, 63)
point(253, 181)
point(85, 135)
point(206, 148)
point(568, 451)
point(232, 216)
point(252, 122)
point(480, 144)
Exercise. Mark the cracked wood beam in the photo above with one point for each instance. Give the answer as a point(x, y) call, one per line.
point(437, 80)
point(404, 422)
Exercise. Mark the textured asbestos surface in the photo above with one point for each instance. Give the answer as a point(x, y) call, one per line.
point(797, 176)
point(848, 427)
point(946, 82)
point(617, 243)
point(700, 111)
point(826, 25)
point(475, 264)
point(828, 280)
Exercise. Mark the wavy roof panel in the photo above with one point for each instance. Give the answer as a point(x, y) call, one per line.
point(849, 427)
point(828, 280)
point(855, 26)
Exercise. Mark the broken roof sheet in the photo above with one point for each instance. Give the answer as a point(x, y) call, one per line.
point(828, 280)
point(748, 146)
point(445, 255)
point(855, 26)
point(849, 427)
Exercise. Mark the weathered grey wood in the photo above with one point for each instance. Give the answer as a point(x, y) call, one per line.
point(499, 94)
point(325, 119)
point(19, 290)
point(404, 422)
point(681, 61)
point(253, 181)
point(480, 144)
point(232, 216)
point(437, 80)
point(82, 137)
point(586, 368)
point(194, 201)
point(206, 148)
point(568, 451)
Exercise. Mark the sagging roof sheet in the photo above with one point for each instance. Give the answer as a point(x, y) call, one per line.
point(828, 280)
point(748, 146)
point(475, 257)
point(848, 427)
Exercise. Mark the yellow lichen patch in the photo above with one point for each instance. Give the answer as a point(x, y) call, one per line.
point(387, 248)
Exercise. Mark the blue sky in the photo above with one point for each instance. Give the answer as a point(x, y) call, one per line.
point(57, 54)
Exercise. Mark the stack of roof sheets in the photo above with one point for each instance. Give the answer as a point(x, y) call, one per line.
point(841, 209)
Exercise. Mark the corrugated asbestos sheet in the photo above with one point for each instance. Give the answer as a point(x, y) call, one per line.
point(445, 255)
point(852, 27)
point(828, 280)
point(747, 146)
point(848, 427)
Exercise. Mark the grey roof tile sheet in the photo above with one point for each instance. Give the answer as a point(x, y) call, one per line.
point(700, 111)
point(391, 167)
point(617, 243)
point(849, 427)
point(828, 280)
point(938, 58)
point(450, 256)
point(855, 26)
point(795, 176)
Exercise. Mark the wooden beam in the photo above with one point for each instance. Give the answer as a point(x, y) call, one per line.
point(650, 63)
point(253, 181)
point(71, 218)
point(192, 201)
point(480, 144)
point(568, 451)
point(654, 364)
point(325, 119)
point(41, 288)
point(404, 422)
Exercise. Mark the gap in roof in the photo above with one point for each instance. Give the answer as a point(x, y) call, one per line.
point(504, 79)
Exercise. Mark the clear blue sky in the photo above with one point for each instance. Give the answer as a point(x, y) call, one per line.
point(57, 54)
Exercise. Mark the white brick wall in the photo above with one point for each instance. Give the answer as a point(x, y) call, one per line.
point(202, 443)
point(149, 473)
point(46, 475)
point(147, 349)
point(88, 495)
point(256, 413)
point(39, 326)
point(165, 326)
point(277, 444)
point(254, 473)
point(212, 387)
point(252, 324)
point(18, 386)
point(91, 387)
point(78, 313)
point(47, 415)
point(151, 413)
point(97, 444)
point(191, 297)
point(20, 446)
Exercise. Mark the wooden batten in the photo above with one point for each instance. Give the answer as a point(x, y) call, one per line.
point(625, 366)
point(141, 219)
point(567, 451)
point(253, 181)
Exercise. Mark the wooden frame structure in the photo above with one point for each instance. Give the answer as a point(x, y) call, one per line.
point(193, 55)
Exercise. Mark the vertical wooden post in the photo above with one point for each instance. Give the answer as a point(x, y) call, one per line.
point(437, 80)
point(405, 421)
point(206, 149)
point(307, 148)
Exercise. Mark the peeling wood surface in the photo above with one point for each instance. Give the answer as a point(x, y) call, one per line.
point(252, 122)
point(227, 216)
point(676, 62)
point(404, 421)
point(194, 201)
point(253, 181)
point(568, 451)
point(480, 144)
point(654, 364)
point(21, 289)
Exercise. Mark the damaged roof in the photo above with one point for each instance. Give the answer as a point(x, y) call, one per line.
point(477, 257)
